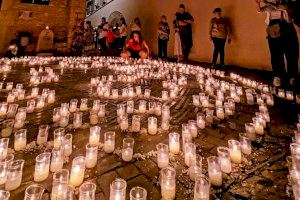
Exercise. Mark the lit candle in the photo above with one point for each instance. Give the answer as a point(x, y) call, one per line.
point(77, 171)
point(115, 93)
point(87, 191)
point(214, 171)
point(245, 144)
point(174, 142)
point(60, 185)
point(64, 109)
point(3, 147)
point(158, 109)
point(109, 142)
point(42, 165)
point(138, 90)
point(58, 137)
point(162, 155)
point(94, 138)
point(189, 154)
point(67, 144)
point(34, 92)
point(235, 151)
point(250, 131)
point(202, 188)
point(165, 124)
point(64, 121)
point(96, 105)
point(30, 106)
point(147, 93)
point(34, 191)
point(84, 105)
point(94, 117)
point(11, 97)
point(118, 190)
point(56, 114)
point(4, 167)
point(195, 169)
point(220, 113)
point(127, 151)
point(138, 193)
point(136, 123)
point(14, 175)
point(297, 137)
point(193, 128)
point(124, 122)
point(164, 95)
point(165, 112)
point(168, 183)
point(51, 96)
point(73, 105)
point(196, 101)
point(7, 127)
point(142, 106)
point(3, 109)
point(12, 110)
point(91, 156)
point(130, 107)
point(42, 134)
point(101, 112)
point(121, 109)
point(259, 127)
point(20, 140)
point(152, 125)
point(201, 121)
point(224, 159)
point(57, 160)
point(77, 121)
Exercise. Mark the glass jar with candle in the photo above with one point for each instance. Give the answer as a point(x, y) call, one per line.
point(136, 123)
point(101, 112)
point(11, 97)
point(3, 147)
point(51, 96)
point(109, 142)
point(42, 166)
point(34, 92)
point(297, 137)
point(168, 183)
point(12, 110)
point(87, 191)
point(164, 95)
point(162, 155)
point(235, 151)
point(73, 105)
point(77, 171)
point(174, 142)
point(84, 104)
point(196, 100)
point(151, 107)
point(30, 106)
point(124, 92)
point(158, 106)
point(201, 121)
point(224, 159)
point(124, 122)
point(67, 144)
point(57, 160)
point(21, 94)
point(14, 175)
point(58, 137)
point(56, 115)
point(94, 138)
point(94, 117)
point(91, 156)
point(20, 140)
point(4, 195)
point(152, 125)
point(64, 109)
point(34, 192)
point(4, 163)
point(3, 109)
point(114, 93)
point(190, 154)
point(259, 126)
point(7, 127)
point(42, 134)
point(214, 171)
point(165, 124)
point(121, 109)
point(130, 107)
point(118, 189)
point(195, 169)
point(138, 193)
point(142, 106)
point(202, 188)
point(147, 93)
point(127, 151)
point(138, 90)
point(77, 121)
point(96, 105)
point(250, 131)
point(295, 150)
point(131, 92)
point(245, 143)
point(64, 121)
point(192, 124)
point(166, 112)
point(60, 184)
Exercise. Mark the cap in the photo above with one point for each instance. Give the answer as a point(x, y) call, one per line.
point(217, 10)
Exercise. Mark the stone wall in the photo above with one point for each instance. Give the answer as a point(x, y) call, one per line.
point(60, 16)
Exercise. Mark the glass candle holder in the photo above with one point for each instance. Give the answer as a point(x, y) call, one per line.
point(77, 121)
point(42, 166)
point(142, 106)
point(295, 150)
point(83, 105)
point(58, 137)
point(34, 92)
point(56, 115)
point(96, 105)
point(64, 121)
point(138, 193)
point(190, 154)
point(152, 125)
point(64, 109)
point(121, 109)
point(224, 159)
point(259, 126)
point(42, 134)
point(131, 92)
point(124, 122)
point(12, 110)
point(281, 93)
point(174, 142)
point(77, 171)
point(202, 188)
point(127, 151)
point(196, 100)
point(9, 85)
point(165, 112)
point(11, 97)
point(4, 163)
point(136, 123)
point(109, 142)
point(60, 184)
point(162, 155)
point(21, 94)
point(220, 113)
point(73, 105)
point(94, 138)
point(14, 175)
point(4, 195)
point(214, 171)
point(151, 107)
point(245, 144)
point(94, 117)
point(3, 109)
point(138, 90)
point(164, 95)
point(21, 114)
point(57, 160)
point(168, 183)
point(7, 127)
point(158, 106)
point(102, 111)
point(106, 93)
point(201, 121)
point(147, 93)
point(20, 140)
point(91, 156)
point(114, 93)
point(195, 169)
point(51, 97)
point(130, 107)
point(67, 144)
point(87, 191)
point(250, 131)
point(124, 92)
point(34, 192)
point(3, 147)
point(118, 189)
point(193, 128)
point(235, 151)
point(165, 124)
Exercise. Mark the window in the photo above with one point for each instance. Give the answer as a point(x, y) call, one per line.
point(40, 2)
point(0, 3)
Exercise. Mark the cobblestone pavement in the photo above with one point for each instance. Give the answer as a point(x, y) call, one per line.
point(262, 175)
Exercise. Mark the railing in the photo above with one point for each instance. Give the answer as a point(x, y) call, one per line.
point(92, 8)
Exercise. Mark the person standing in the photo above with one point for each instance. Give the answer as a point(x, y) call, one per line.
point(177, 42)
point(77, 38)
point(88, 37)
point(103, 29)
point(219, 32)
point(185, 20)
point(163, 37)
point(136, 25)
point(123, 32)
point(283, 42)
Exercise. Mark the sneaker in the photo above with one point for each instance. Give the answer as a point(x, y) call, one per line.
point(277, 82)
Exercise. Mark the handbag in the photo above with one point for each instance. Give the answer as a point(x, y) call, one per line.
point(273, 31)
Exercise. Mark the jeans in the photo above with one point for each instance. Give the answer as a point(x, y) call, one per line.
point(162, 48)
point(219, 44)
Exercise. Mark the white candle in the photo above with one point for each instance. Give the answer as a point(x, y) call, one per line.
point(20, 140)
point(235, 151)
point(162, 155)
point(224, 159)
point(201, 121)
point(77, 171)
point(91, 156)
point(94, 138)
point(168, 183)
point(42, 165)
point(109, 142)
point(136, 123)
point(14, 175)
point(127, 154)
point(57, 160)
point(214, 171)
point(152, 125)
point(174, 143)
